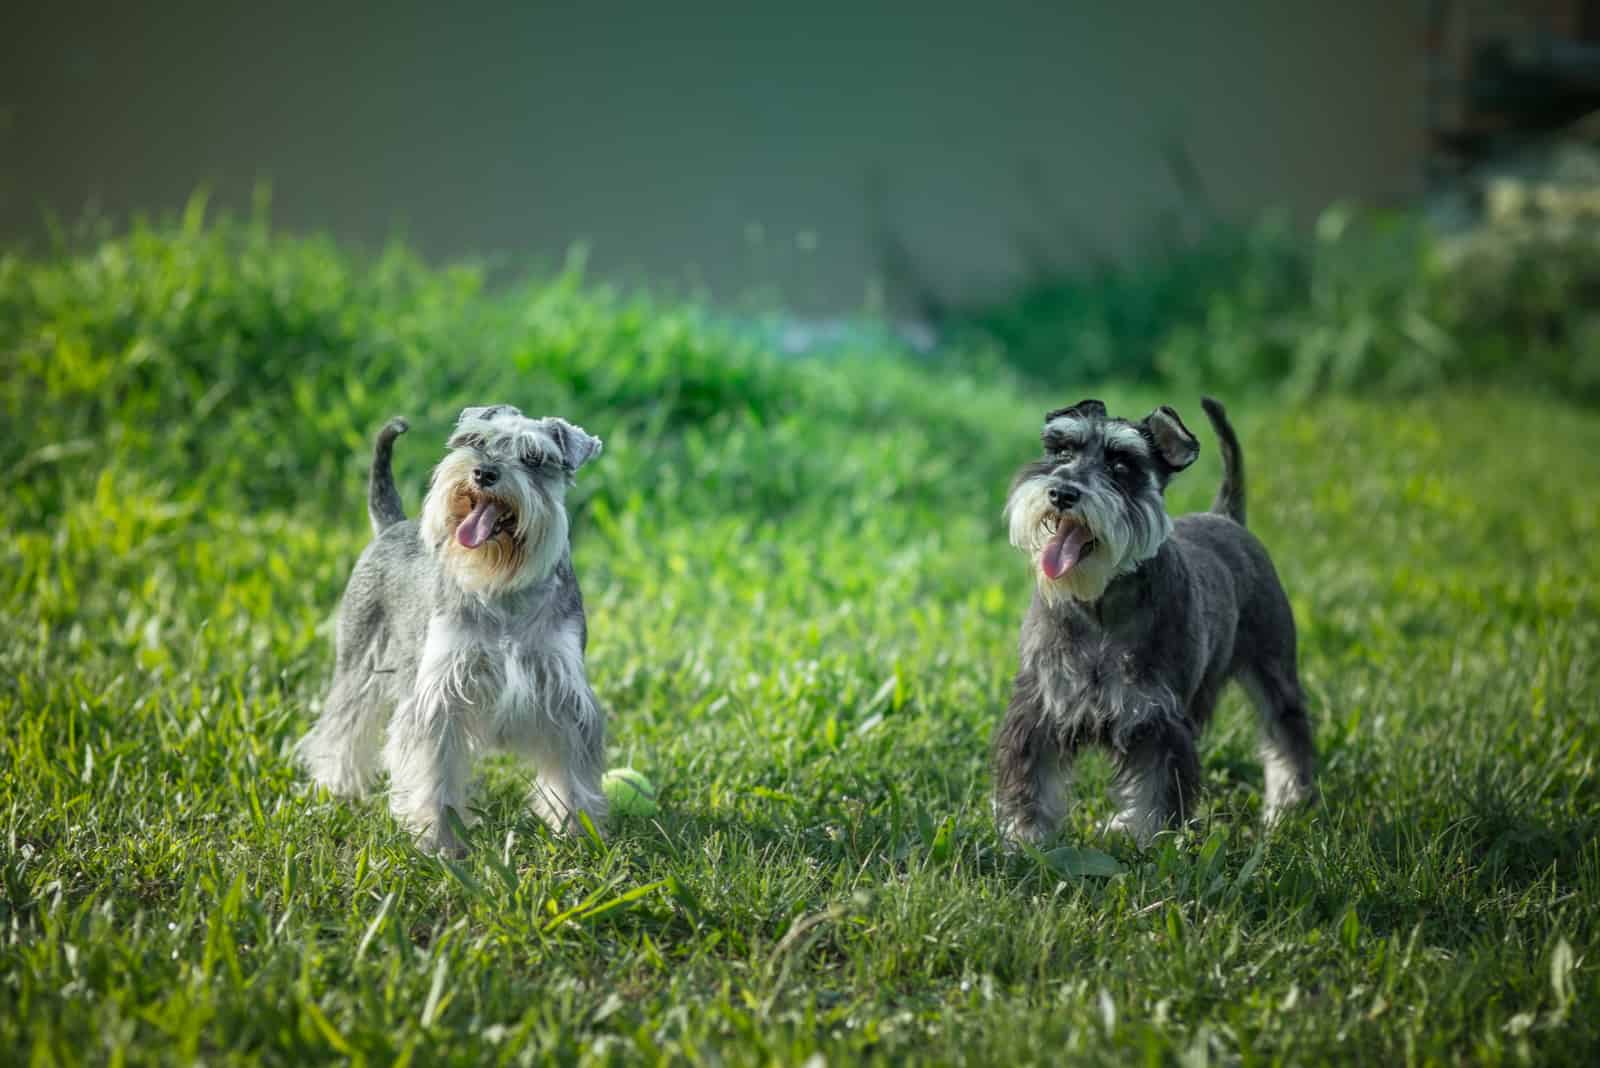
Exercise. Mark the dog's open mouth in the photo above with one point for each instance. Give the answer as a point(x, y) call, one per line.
point(1070, 541)
point(487, 518)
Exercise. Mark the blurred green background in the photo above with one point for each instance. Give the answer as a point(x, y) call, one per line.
point(1237, 195)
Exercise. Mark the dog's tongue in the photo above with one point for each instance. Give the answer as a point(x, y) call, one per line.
point(1063, 550)
point(475, 529)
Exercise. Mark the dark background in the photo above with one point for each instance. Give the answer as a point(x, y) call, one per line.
point(738, 147)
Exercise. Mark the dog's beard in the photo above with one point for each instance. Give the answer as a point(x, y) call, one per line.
point(491, 541)
point(1078, 552)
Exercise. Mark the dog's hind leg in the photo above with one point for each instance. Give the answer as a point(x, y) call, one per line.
point(1288, 755)
point(341, 751)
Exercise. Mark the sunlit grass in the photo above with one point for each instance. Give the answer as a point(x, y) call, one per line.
point(803, 617)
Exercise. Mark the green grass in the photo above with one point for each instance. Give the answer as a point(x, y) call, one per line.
point(803, 622)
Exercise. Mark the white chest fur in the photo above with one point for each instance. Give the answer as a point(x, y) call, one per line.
point(489, 679)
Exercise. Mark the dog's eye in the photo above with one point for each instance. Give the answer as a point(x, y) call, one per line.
point(1065, 452)
point(533, 459)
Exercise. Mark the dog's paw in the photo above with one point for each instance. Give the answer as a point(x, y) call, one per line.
point(1284, 803)
point(438, 833)
point(1121, 823)
point(564, 817)
point(569, 824)
point(348, 786)
point(451, 850)
point(330, 768)
point(339, 781)
point(1137, 826)
point(441, 841)
point(1016, 833)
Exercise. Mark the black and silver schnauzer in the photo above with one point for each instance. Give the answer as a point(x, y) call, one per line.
point(1137, 623)
point(465, 631)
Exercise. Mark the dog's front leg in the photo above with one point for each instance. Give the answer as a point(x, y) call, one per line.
point(1157, 780)
point(1030, 770)
point(428, 755)
point(566, 744)
point(430, 745)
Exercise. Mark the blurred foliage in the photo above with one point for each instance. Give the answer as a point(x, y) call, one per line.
point(1369, 301)
point(240, 360)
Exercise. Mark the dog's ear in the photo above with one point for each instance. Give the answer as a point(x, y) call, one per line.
point(1176, 447)
point(577, 445)
point(1089, 408)
point(486, 412)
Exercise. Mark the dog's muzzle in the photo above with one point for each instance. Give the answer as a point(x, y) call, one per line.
point(487, 518)
point(1064, 495)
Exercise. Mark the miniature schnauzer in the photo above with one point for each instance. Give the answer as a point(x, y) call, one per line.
point(1137, 623)
point(465, 631)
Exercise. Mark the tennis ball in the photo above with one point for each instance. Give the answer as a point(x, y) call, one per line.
point(630, 793)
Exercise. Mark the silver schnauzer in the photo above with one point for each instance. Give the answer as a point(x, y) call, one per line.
point(1137, 623)
point(465, 631)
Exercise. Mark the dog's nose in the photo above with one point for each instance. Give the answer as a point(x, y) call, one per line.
point(1064, 496)
point(485, 476)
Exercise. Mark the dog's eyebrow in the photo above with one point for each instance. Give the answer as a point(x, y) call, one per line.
point(1120, 436)
point(535, 440)
point(1067, 426)
point(471, 428)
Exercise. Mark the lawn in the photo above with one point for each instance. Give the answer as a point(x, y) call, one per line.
point(803, 614)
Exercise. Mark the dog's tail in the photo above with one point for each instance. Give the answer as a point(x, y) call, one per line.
point(383, 499)
point(1230, 495)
